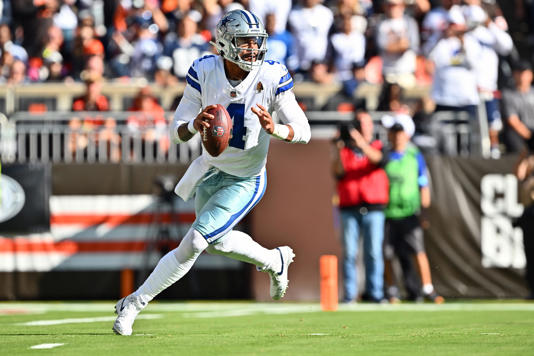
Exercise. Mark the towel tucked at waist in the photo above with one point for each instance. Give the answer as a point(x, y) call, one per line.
point(185, 188)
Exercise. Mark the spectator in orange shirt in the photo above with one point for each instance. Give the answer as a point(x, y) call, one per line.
point(93, 129)
point(148, 122)
point(93, 99)
point(85, 45)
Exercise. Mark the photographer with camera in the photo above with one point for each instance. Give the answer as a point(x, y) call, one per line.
point(362, 189)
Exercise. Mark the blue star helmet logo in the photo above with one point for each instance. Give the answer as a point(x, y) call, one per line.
point(225, 21)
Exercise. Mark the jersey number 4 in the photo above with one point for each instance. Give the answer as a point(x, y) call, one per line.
point(239, 131)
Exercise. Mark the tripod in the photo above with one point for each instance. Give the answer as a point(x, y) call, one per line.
point(163, 233)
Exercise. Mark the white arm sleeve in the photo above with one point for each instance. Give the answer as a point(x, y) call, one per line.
point(290, 113)
point(472, 51)
point(187, 110)
point(503, 42)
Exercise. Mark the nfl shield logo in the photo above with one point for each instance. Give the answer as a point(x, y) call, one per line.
point(218, 131)
point(233, 94)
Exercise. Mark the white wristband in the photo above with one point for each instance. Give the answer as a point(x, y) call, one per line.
point(280, 131)
point(191, 127)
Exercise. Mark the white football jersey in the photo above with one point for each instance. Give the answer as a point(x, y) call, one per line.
point(269, 85)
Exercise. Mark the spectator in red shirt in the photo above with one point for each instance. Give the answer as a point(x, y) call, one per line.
point(362, 188)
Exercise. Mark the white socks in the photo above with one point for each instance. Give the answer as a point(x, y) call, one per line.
point(173, 266)
point(241, 247)
point(428, 289)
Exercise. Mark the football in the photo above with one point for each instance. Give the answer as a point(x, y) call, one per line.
point(216, 138)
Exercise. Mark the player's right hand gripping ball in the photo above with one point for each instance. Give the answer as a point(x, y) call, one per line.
point(215, 139)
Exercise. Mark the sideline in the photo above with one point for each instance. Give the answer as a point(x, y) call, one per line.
point(228, 309)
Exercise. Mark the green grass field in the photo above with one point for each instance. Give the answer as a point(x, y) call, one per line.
point(231, 328)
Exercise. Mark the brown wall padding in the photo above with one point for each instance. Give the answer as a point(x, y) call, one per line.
point(297, 211)
point(85, 179)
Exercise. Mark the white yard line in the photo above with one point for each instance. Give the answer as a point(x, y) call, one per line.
point(83, 320)
point(45, 346)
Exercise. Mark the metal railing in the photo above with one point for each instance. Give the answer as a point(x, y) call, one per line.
point(7, 139)
point(456, 133)
point(60, 144)
point(51, 137)
point(449, 133)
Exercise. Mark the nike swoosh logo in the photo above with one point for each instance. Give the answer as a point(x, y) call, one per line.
point(282, 259)
point(122, 305)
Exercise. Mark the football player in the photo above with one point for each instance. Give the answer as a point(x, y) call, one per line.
point(228, 186)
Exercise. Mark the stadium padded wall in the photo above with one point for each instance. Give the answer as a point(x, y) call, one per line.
point(473, 248)
point(103, 219)
point(111, 179)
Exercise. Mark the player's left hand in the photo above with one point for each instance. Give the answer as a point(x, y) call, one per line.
point(266, 121)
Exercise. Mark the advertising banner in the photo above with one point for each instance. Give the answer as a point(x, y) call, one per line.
point(473, 245)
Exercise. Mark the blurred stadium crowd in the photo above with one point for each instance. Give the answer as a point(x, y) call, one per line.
point(460, 52)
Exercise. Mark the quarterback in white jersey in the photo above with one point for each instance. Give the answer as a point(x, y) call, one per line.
point(268, 85)
point(228, 186)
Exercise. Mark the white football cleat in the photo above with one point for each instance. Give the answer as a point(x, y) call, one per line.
point(127, 309)
point(279, 281)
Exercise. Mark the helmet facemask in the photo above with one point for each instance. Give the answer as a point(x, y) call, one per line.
point(250, 51)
